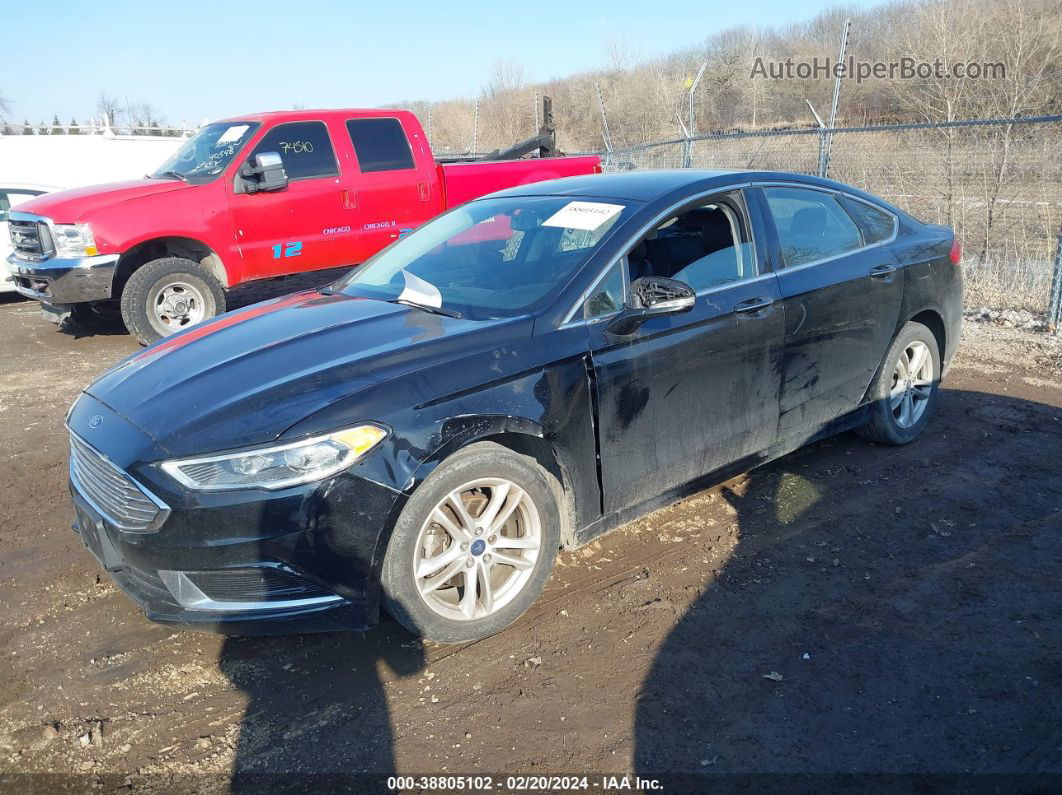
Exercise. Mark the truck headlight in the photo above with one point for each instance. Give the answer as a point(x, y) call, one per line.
point(74, 240)
point(278, 466)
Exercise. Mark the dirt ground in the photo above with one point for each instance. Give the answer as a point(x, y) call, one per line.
point(847, 609)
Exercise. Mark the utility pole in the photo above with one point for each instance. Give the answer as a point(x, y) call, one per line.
point(475, 129)
point(836, 99)
point(605, 134)
point(693, 91)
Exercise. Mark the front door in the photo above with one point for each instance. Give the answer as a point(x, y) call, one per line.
point(309, 224)
point(841, 289)
point(690, 393)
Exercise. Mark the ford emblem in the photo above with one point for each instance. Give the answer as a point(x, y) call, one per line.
point(95, 421)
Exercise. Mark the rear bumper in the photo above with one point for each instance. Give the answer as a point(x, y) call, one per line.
point(64, 280)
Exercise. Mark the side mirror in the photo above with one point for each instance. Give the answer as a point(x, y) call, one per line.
point(265, 172)
point(651, 296)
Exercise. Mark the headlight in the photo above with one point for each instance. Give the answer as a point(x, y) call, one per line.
point(74, 240)
point(279, 466)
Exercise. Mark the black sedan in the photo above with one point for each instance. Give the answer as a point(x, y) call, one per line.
point(521, 374)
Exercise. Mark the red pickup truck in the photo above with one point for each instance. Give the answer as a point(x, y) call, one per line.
point(254, 197)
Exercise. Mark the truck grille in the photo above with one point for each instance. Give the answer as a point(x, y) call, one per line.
point(112, 492)
point(31, 239)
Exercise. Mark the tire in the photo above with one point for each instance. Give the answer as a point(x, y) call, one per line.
point(888, 423)
point(167, 295)
point(441, 615)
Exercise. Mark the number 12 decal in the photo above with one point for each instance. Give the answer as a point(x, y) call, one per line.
point(289, 250)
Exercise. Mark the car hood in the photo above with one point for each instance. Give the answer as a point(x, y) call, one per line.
point(69, 206)
point(247, 376)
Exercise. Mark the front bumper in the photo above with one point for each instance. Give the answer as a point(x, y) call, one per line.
point(60, 280)
point(319, 544)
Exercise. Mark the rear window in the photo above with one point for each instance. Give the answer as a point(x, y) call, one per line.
point(877, 225)
point(380, 144)
point(305, 148)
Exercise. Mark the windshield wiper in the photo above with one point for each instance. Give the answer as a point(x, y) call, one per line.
point(435, 310)
point(171, 173)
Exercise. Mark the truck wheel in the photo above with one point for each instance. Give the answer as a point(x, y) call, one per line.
point(167, 295)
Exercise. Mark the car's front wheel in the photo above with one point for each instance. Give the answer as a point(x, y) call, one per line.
point(474, 546)
point(904, 390)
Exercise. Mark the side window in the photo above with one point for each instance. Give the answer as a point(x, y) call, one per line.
point(811, 225)
point(705, 246)
point(380, 144)
point(305, 148)
point(877, 225)
point(607, 295)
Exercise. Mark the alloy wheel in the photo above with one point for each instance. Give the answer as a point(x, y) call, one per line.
point(477, 549)
point(912, 384)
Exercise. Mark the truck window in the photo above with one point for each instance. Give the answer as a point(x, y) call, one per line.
point(380, 144)
point(305, 148)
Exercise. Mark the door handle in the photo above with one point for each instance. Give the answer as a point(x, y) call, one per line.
point(422, 190)
point(348, 199)
point(882, 272)
point(753, 305)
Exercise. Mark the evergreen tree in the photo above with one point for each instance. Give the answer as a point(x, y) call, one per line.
point(73, 129)
point(57, 127)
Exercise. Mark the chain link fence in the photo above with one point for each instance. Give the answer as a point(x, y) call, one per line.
point(997, 182)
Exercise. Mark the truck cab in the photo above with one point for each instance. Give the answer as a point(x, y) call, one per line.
point(253, 197)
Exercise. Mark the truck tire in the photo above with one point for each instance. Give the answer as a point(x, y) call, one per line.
point(167, 295)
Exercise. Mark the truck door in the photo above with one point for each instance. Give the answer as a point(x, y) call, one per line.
point(306, 226)
point(397, 185)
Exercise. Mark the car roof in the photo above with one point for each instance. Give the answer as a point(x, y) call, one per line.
point(650, 186)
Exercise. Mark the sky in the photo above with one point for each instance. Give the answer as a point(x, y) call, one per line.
point(194, 59)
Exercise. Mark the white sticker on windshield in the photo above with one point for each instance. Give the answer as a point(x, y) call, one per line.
point(232, 134)
point(583, 215)
point(418, 291)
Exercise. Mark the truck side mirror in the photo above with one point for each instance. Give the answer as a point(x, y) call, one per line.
point(265, 172)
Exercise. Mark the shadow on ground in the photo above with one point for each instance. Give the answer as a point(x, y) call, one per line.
point(316, 706)
point(909, 621)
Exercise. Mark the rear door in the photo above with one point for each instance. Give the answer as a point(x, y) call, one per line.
point(396, 180)
point(841, 288)
point(306, 226)
point(690, 393)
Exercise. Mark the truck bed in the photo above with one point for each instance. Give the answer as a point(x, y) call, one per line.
point(465, 181)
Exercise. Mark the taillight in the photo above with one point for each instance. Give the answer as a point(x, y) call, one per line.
point(956, 252)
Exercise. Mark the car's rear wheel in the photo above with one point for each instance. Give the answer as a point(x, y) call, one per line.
point(904, 390)
point(167, 295)
point(474, 546)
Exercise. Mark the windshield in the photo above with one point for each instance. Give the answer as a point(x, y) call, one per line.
point(490, 258)
point(206, 153)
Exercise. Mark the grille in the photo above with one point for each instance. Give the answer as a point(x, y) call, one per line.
point(110, 490)
point(31, 239)
point(254, 585)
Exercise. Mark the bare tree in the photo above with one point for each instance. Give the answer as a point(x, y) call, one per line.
point(5, 105)
point(109, 108)
point(143, 118)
